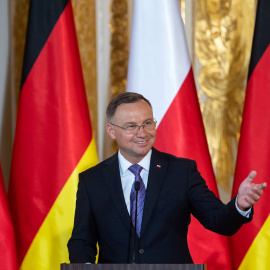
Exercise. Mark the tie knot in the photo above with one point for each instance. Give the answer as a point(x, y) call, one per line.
point(135, 169)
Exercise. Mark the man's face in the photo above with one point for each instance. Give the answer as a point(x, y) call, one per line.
point(133, 147)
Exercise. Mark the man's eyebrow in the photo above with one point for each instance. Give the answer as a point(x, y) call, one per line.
point(151, 118)
point(135, 123)
point(130, 123)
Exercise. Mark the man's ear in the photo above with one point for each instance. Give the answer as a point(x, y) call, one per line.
point(110, 130)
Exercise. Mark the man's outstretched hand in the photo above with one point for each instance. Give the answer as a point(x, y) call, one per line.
point(249, 193)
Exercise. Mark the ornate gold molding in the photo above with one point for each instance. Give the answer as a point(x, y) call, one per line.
point(19, 17)
point(223, 38)
point(119, 49)
point(119, 46)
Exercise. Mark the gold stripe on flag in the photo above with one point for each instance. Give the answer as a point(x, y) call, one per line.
point(258, 255)
point(58, 221)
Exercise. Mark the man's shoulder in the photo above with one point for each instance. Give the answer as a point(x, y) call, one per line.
point(171, 158)
point(99, 167)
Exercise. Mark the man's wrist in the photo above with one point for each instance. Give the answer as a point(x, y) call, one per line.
point(244, 213)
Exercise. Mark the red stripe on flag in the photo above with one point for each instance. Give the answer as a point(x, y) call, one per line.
point(52, 115)
point(8, 256)
point(254, 153)
point(181, 133)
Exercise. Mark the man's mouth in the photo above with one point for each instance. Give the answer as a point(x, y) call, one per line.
point(141, 142)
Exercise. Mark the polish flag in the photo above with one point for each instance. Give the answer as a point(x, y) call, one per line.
point(160, 69)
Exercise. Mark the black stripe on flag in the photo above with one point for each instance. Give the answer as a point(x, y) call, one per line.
point(43, 15)
point(261, 38)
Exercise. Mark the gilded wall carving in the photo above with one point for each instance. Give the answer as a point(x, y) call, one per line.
point(119, 46)
point(223, 39)
point(19, 17)
point(119, 49)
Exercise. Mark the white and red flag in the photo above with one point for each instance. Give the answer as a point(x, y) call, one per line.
point(160, 69)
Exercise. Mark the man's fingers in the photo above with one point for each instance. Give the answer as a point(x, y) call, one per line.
point(258, 189)
point(254, 195)
point(263, 185)
point(251, 176)
point(250, 201)
point(249, 193)
point(255, 192)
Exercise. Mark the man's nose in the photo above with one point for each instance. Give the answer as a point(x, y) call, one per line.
point(141, 132)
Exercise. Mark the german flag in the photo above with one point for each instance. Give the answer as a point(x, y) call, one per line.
point(251, 245)
point(53, 140)
point(8, 256)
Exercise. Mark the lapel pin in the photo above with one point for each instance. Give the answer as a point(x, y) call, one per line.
point(158, 166)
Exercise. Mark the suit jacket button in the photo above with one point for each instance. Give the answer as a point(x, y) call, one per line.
point(141, 251)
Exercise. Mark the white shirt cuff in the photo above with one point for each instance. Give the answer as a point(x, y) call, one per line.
point(243, 213)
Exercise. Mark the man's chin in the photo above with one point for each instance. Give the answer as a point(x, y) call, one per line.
point(143, 152)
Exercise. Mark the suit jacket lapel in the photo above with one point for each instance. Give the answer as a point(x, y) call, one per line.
point(113, 181)
point(158, 168)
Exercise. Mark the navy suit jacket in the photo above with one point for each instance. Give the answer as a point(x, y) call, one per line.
point(175, 190)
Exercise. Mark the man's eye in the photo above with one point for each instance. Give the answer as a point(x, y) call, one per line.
point(131, 126)
point(148, 123)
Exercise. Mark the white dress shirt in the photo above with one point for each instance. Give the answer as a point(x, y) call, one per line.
point(128, 178)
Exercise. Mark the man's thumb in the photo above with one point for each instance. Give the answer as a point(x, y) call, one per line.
point(251, 176)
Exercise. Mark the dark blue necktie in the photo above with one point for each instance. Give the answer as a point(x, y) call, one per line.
point(136, 169)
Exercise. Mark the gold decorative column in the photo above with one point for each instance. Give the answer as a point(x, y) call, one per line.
point(119, 50)
point(18, 14)
point(19, 18)
point(223, 38)
point(119, 46)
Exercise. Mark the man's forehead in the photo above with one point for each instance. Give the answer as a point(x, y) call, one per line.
point(134, 112)
point(138, 104)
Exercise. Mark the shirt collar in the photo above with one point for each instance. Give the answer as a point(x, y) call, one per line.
point(125, 164)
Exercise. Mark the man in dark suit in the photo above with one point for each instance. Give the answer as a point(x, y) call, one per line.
point(170, 190)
